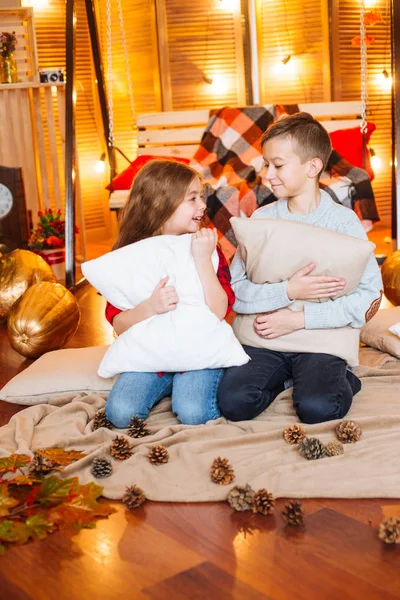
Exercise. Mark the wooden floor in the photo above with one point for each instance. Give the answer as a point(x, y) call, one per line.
point(201, 551)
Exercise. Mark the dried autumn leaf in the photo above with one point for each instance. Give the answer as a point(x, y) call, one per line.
point(54, 491)
point(23, 480)
point(13, 462)
point(371, 17)
point(61, 457)
point(13, 531)
point(6, 501)
point(86, 498)
point(356, 40)
point(70, 518)
point(39, 525)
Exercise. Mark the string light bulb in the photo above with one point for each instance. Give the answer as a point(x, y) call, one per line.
point(36, 4)
point(100, 166)
point(228, 5)
point(376, 162)
point(385, 80)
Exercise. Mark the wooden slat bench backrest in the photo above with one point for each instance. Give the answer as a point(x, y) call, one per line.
point(178, 133)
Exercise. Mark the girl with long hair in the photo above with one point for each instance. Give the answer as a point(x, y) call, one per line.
point(166, 199)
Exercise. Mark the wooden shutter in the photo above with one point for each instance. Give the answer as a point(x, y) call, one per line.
point(140, 34)
point(297, 29)
point(346, 73)
point(203, 40)
point(141, 39)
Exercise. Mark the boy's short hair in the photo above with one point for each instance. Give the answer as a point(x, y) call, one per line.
point(310, 138)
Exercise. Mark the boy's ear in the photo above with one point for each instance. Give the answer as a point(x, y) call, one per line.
point(315, 167)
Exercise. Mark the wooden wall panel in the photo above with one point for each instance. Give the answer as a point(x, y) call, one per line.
point(204, 39)
point(299, 29)
point(346, 73)
point(140, 35)
point(141, 39)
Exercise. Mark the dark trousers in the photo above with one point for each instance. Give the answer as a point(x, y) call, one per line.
point(323, 388)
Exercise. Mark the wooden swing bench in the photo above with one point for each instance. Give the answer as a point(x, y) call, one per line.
point(178, 133)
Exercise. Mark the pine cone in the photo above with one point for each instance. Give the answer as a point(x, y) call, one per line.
point(334, 448)
point(311, 448)
point(240, 497)
point(263, 502)
point(138, 428)
point(133, 497)
point(221, 471)
point(40, 465)
point(158, 455)
point(389, 531)
point(100, 420)
point(348, 432)
point(101, 467)
point(120, 448)
point(293, 513)
point(293, 434)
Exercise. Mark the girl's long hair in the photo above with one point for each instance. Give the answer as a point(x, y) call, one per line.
point(157, 191)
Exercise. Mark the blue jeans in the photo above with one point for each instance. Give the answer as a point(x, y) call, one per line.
point(323, 388)
point(194, 396)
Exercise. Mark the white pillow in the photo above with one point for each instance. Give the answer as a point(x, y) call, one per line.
point(395, 329)
point(186, 339)
point(58, 374)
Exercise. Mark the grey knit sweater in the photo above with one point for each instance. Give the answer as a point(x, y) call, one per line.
point(348, 310)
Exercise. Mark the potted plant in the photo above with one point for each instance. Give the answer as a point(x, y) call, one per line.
point(47, 239)
point(8, 63)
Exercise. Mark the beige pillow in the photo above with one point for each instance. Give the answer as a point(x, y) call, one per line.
point(273, 250)
point(376, 332)
point(58, 373)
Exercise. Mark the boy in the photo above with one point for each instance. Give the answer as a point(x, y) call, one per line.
point(296, 150)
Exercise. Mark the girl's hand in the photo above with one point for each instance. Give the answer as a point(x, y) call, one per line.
point(164, 298)
point(279, 322)
point(203, 245)
point(303, 286)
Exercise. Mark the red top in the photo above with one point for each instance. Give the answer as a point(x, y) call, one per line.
point(224, 277)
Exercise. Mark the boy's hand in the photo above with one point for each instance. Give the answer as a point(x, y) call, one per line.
point(164, 298)
point(203, 245)
point(279, 322)
point(303, 286)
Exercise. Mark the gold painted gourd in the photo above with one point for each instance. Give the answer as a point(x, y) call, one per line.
point(391, 278)
point(43, 319)
point(19, 270)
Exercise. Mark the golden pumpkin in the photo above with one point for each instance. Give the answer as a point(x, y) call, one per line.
point(19, 270)
point(391, 278)
point(43, 319)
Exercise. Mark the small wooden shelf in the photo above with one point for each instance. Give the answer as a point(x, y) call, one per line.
point(30, 84)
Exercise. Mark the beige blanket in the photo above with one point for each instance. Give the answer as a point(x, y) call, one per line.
point(256, 449)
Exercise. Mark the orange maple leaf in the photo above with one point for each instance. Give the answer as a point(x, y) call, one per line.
point(13, 462)
point(371, 17)
point(369, 39)
point(61, 457)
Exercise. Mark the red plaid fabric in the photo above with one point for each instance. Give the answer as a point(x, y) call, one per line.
point(229, 159)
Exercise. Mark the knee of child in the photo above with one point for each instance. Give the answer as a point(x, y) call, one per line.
point(318, 409)
point(119, 417)
point(192, 415)
point(235, 405)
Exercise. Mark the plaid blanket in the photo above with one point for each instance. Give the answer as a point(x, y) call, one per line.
point(229, 159)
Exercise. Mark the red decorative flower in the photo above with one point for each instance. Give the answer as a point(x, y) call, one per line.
point(54, 242)
point(49, 232)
